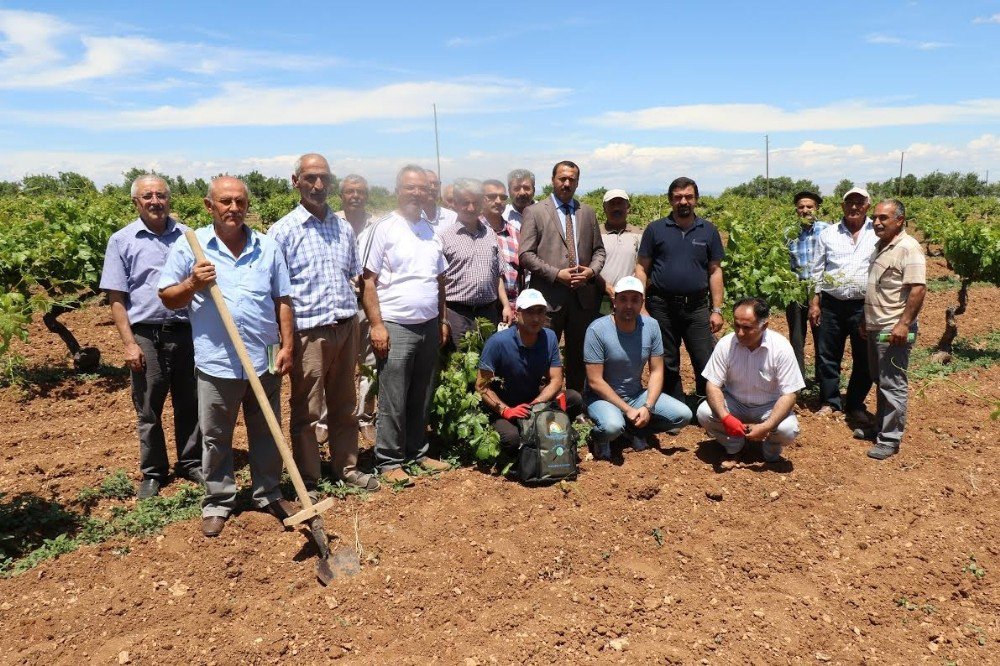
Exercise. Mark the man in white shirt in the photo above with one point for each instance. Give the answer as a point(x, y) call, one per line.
point(753, 378)
point(840, 273)
point(621, 243)
point(521, 186)
point(404, 298)
point(437, 215)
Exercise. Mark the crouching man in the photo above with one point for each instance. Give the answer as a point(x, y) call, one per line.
point(616, 349)
point(520, 367)
point(253, 277)
point(753, 378)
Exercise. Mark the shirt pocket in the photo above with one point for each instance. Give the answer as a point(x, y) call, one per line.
point(699, 249)
point(258, 281)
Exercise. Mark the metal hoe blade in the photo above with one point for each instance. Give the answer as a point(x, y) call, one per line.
point(329, 567)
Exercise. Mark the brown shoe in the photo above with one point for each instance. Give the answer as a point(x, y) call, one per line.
point(211, 526)
point(363, 481)
point(397, 477)
point(433, 465)
point(281, 509)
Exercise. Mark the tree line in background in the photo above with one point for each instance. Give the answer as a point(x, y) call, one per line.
point(934, 184)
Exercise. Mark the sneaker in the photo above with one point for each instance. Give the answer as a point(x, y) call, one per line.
point(639, 443)
point(602, 451)
point(882, 451)
point(433, 465)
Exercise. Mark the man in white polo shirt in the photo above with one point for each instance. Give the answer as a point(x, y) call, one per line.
point(404, 298)
point(753, 378)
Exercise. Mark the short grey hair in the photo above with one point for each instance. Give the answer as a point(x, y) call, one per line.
point(211, 186)
point(520, 174)
point(493, 182)
point(409, 168)
point(353, 178)
point(897, 205)
point(148, 177)
point(297, 167)
point(469, 186)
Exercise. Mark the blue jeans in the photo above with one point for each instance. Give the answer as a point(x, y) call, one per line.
point(610, 424)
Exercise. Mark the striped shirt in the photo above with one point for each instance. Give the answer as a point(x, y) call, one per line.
point(840, 267)
point(509, 240)
point(322, 257)
point(474, 264)
point(407, 259)
point(802, 248)
point(894, 268)
point(757, 377)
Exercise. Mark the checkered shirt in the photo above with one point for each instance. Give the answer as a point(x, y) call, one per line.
point(840, 264)
point(474, 264)
point(322, 257)
point(508, 241)
point(802, 249)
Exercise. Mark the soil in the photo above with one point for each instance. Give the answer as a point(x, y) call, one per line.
point(658, 557)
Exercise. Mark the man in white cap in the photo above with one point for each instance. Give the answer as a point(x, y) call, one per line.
point(621, 244)
point(840, 271)
point(616, 349)
point(520, 367)
point(753, 378)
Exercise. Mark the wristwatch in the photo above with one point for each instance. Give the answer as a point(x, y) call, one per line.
point(716, 310)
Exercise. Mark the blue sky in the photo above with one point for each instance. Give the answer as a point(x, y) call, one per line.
point(636, 93)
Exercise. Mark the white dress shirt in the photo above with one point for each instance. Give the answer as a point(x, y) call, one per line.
point(840, 263)
point(757, 377)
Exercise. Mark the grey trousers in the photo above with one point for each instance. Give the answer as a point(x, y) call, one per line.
point(366, 357)
point(169, 368)
point(219, 403)
point(888, 368)
point(405, 387)
point(783, 435)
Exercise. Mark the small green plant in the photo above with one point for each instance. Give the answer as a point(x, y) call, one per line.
point(117, 485)
point(658, 536)
point(906, 604)
point(974, 568)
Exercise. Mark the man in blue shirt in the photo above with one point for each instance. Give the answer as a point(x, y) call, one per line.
point(520, 367)
point(680, 263)
point(616, 350)
point(322, 256)
point(801, 250)
point(253, 278)
point(158, 347)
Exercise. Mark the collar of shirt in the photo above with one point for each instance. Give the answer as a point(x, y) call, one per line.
point(561, 207)
point(505, 230)
point(169, 228)
point(698, 222)
point(867, 226)
point(251, 245)
point(813, 229)
point(879, 248)
point(627, 227)
point(479, 231)
point(765, 342)
point(520, 343)
point(303, 216)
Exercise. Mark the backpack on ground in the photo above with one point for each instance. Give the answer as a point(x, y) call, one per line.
point(548, 446)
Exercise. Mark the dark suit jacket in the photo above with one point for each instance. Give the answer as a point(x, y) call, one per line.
point(544, 252)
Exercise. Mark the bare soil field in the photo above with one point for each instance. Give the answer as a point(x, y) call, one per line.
point(657, 557)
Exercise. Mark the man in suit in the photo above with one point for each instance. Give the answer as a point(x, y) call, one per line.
point(561, 246)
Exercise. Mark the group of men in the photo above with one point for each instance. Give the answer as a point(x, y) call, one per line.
point(335, 298)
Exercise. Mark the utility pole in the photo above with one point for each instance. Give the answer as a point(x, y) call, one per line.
point(899, 183)
point(437, 145)
point(767, 166)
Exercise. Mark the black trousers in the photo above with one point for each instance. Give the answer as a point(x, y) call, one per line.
point(169, 353)
point(510, 434)
point(684, 321)
point(797, 316)
point(839, 321)
point(572, 320)
point(462, 318)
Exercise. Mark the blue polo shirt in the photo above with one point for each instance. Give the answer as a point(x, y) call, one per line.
point(680, 258)
point(521, 368)
point(249, 284)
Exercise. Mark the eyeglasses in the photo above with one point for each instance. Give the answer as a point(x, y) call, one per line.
point(501, 197)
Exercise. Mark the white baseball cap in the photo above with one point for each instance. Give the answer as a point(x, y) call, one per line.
point(857, 190)
point(629, 283)
point(615, 194)
point(529, 298)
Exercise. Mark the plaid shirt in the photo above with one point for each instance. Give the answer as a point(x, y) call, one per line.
point(322, 257)
point(840, 265)
point(802, 248)
point(474, 264)
point(508, 241)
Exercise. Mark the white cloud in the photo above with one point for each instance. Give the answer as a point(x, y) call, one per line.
point(633, 167)
point(40, 51)
point(243, 105)
point(768, 118)
point(995, 18)
point(892, 40)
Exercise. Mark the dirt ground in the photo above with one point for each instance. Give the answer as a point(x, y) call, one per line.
point(838, 559)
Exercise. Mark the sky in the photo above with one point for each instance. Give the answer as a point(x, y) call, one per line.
point(635, 93)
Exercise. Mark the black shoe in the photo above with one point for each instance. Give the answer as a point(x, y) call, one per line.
point(212, 525)
point(148, 488)
point(193, 474)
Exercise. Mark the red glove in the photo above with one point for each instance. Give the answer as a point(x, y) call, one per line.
point(734, 427)
point(562, 401)
point(518, 412)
